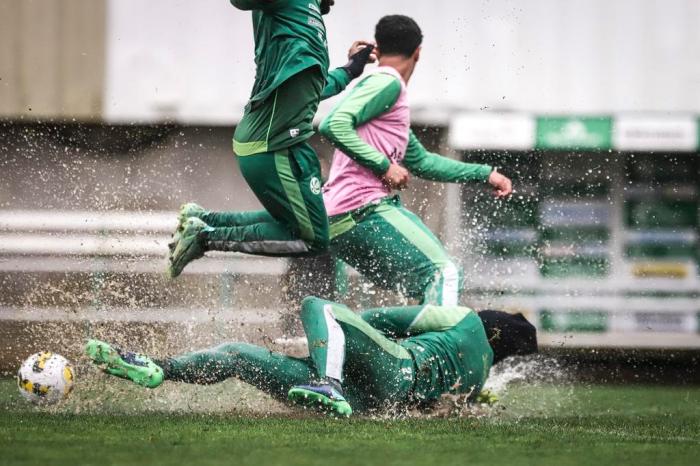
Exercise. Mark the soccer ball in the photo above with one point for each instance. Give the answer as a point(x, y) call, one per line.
point(45, 378)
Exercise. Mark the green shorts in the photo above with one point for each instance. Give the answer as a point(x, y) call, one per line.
point(394, 249)
point(288, 185)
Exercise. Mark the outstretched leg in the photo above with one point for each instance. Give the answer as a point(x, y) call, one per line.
point(287, 183)
point(222, 219)
point(188, 245)
point(270, 372)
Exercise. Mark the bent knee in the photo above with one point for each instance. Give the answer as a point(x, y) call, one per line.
point(451, 283)
point(449, 270)
point(454, 270)
point(445, 285)
point(311, 305)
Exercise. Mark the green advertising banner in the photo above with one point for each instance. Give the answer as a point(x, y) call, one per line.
point(579, 321)
point(600, 321)
point(592, 133)
point(583, 267)
point(661, 213)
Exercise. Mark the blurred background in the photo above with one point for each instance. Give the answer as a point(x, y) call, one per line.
point(114, 112)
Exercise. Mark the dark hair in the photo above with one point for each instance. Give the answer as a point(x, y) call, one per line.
point(397, 35)
point(508, 334)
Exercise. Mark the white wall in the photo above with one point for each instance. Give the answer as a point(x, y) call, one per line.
point(192, 61)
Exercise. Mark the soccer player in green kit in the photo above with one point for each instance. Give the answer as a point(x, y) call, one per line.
point(376, 150)
point(281, 168)
point(379, 359)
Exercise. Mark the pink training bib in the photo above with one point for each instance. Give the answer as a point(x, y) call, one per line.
point(350, 185)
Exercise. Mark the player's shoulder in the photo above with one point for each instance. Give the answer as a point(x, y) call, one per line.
point(382, 79)
point(386, 73)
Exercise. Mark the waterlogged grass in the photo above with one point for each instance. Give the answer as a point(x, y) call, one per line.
point(535, 424)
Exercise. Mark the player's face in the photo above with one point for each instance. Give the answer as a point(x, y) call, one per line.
point(326, 6)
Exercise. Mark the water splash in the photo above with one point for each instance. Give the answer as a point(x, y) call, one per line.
point(530, 370)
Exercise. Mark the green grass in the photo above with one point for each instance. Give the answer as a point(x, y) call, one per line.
point(536, 424)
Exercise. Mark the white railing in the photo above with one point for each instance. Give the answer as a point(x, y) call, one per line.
point(40, 240)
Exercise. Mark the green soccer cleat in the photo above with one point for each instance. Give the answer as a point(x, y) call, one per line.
point(138, 368)
point(323, 397)
point(188, 246)
point(187, 210)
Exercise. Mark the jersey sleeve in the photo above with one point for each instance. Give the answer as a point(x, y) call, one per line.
point(338, 79)
point(372, 97)
point(258, 4)
point(402, 322)
point(435, 167)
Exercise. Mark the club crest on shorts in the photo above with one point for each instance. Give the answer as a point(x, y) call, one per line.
point(315, 185)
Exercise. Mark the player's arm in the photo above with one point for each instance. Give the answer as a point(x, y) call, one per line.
point(359, 55)
point(258, 4)
point(402, 322)
point(336, 82)
point(372, 97)
point(435, 167)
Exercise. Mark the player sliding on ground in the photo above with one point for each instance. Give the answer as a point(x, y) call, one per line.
point(369, 228)
point(381, 358)
point(278, 164)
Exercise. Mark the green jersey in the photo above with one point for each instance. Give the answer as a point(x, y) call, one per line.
point(291, 58)
point(448, 344)
point(290, 36)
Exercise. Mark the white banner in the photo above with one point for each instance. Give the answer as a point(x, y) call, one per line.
point(655, 133)
point(512, 131)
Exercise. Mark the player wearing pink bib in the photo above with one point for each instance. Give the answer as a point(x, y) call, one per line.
point(376, 151)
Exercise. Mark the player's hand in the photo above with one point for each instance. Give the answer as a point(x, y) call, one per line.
point(359, 55)
point(502, 185)
point(361, 44)
point(396, 177)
